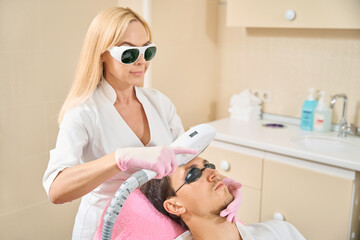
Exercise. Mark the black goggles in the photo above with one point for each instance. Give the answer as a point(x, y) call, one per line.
point(130, 54)
point(194, 174)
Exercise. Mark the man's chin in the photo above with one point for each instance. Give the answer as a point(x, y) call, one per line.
point(226, 202)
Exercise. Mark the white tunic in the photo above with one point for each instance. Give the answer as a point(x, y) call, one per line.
point(270, 230)
point(95, 129)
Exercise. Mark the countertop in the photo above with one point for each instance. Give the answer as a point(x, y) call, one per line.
point(285, 141)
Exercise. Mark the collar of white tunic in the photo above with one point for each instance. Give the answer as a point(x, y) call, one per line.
point(110, 94)
point(108, 90)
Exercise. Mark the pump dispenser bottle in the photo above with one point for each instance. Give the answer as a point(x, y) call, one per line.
point(322, 115)
point(307, 112)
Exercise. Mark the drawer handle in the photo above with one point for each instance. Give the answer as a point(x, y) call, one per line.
point(224, 165)
point(279, 216)
point(290, 14)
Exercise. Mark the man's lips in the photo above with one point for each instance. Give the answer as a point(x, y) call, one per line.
point(219, 185)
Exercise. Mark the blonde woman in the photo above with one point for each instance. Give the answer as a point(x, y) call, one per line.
point(109, 125)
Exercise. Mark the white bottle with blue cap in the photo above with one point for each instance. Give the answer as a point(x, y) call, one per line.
point(322, 115)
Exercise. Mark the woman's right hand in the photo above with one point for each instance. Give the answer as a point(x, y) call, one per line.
point(159, 159)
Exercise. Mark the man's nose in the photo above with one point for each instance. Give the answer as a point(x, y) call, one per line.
point(212, 174)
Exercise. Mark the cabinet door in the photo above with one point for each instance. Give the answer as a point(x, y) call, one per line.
point(245, 169)
point(317, 204)
point(342, 14)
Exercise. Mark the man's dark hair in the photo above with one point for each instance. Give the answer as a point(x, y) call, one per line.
point(157, 191)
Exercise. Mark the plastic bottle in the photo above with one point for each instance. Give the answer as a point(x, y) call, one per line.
point(322, 115)
point(307, 111)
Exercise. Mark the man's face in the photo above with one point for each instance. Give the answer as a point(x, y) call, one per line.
point(206, 196)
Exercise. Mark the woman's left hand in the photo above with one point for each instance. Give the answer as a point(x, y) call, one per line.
point(233, 207)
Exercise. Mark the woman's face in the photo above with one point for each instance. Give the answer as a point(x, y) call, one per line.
point(121, 75)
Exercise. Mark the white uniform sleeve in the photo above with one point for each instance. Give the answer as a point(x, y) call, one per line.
point(73, 136)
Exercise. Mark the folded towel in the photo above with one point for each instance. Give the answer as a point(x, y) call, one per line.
point(139, 220)
point(244, 98)
point(245, 106)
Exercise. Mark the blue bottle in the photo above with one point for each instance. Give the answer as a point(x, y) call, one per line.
point(307, 112)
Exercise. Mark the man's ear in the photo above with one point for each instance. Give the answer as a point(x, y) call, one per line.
point(174, 207)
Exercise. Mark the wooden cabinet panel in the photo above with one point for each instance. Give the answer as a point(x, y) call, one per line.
point(318, 204)
point(249, 211)
point(334, 14)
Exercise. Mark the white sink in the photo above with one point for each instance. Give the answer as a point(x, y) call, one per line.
point(328, 144)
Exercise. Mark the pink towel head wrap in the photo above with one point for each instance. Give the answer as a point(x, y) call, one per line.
point(139, 220)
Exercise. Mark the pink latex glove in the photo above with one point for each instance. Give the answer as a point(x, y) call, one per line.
point(233, 207)
point(159, 159)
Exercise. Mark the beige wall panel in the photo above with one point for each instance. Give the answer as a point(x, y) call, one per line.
point(21, 182)
point(40, 221)
point(52, 110)
point(135, 5)
point(185, 68)
point(20, 44)
point(22, 132)
point(306, 198)
point(40, 46)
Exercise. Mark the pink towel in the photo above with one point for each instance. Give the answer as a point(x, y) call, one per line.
point(139, 219)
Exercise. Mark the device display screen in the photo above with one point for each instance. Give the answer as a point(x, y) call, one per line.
point(193, 134)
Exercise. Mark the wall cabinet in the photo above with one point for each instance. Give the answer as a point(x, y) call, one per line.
point(321, 201)
point(333, 14)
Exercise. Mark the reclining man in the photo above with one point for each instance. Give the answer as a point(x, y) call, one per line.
point(195, 195)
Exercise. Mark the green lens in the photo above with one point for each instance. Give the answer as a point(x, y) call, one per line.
point(150, 53)
point(130, 56)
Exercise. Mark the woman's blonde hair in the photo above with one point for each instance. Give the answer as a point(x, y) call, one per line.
point(105, 31)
